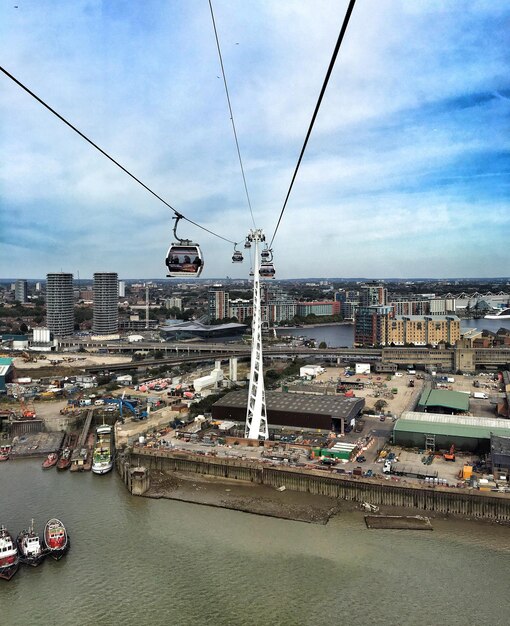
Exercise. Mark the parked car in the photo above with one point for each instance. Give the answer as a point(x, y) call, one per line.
point(360, 459)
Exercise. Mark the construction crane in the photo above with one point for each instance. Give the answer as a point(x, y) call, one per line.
point(121, 403)
point(27, 411)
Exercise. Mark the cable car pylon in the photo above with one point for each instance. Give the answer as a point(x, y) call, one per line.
point(256, 414)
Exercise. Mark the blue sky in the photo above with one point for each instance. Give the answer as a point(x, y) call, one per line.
point(407, 172)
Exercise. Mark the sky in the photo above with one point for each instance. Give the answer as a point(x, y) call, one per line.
point(406, 173)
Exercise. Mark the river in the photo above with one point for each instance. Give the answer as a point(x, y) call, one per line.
point(136, 561)
point(338, 335)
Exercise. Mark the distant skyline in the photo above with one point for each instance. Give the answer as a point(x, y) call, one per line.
point(406, 173)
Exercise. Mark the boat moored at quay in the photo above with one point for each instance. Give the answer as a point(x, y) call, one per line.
point(64, 461)
point(9, 558)
point(50, 460)
point(102, 461)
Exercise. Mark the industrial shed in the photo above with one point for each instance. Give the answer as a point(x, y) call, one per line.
point(500, 454)
point(297, 410)
point(437, 400)
point(6, 373)
point(438, 431)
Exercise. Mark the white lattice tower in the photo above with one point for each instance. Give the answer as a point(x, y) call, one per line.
point(256, 416)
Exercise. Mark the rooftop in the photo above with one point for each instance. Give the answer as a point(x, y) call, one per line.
point(500, 445)
point(5, 365)
point(428, 318)
point(453, 425)
point(456, 400)
point(334, 406)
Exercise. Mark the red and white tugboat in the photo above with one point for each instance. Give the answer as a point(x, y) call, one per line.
point(56, 539)
point(50, 460)
point(29, 546)
point(65, 460)
point(9, 559)
point(4, 453)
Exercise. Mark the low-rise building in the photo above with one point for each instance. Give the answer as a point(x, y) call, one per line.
point(319, 308)
point(296, 410)
point(420, 330)
point(439, 400)
point(440, 431)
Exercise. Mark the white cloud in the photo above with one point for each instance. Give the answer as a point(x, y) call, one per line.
point(143, 84)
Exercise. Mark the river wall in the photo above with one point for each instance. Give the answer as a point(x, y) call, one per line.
point(444, 500)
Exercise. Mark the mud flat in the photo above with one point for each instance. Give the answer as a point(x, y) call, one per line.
point(248, 498)
point(398, 522)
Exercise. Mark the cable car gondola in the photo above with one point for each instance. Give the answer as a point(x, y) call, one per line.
point(267, 270)
point(184, 259)
point(265, 255)
point(247, 243)
point(237, 257)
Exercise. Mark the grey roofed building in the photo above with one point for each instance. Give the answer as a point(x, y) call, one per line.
point(293, 409)
point(500, 453)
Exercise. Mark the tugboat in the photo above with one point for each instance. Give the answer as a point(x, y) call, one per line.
point(64, 461)
point(9, 559)
point(103, 452)
point(29, 546)
point(56, 539)
point(50, 460)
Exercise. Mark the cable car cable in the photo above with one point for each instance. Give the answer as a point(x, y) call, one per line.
point(317, 107)
point(61, 118)
point(231, 113)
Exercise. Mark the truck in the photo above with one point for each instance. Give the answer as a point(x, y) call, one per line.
point(396, 469)
point(479, 395)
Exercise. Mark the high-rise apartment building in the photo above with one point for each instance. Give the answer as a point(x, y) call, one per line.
point(349, 301)
point(373, 295)
point(218, 303)
point(105, 319)
point(371, 325)
point(173, 303)
point(21, 291)
point(122, 288)
point(60, 304)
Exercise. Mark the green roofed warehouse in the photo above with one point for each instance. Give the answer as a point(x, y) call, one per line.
point(441, 400)
point(439, 432)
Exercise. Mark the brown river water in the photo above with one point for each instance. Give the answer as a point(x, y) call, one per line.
point(137, 561)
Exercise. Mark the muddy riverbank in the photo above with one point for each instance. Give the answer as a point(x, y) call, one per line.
point(268, 501)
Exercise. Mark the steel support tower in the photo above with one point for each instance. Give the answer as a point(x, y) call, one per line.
point(256, 417)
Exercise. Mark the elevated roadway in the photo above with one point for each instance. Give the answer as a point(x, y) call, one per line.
point(187, 353)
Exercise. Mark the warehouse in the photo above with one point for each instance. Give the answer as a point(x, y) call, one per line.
point(439, 432)
point(440, 401)
point(296, 409)
point(6, 373)
point(500, 455)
